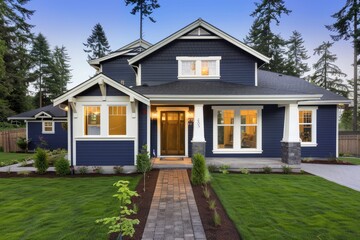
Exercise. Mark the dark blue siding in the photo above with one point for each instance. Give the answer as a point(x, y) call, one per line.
point(95, 91)
point(153, 137)
point(190, 135)
point(53, 141)
point(119, 69)
point(104, 153)
point(142, 125)
point(326, 134)
point(235, 66)
point(272, 132)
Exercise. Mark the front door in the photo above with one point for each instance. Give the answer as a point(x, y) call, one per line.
point(172, 133)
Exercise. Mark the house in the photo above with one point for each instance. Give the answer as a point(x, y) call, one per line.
point(46, 127)
point(198, 90)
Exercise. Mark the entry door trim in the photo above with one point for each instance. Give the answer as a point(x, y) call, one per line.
point(172, 109)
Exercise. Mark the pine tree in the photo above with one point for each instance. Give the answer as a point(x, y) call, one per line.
point(347, 26)
point(41, 59)
point(296, 55)
point(327, 74)
point(262, 38)
point(97, 44)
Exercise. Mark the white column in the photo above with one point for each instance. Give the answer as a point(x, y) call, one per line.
point(291, 123)
point(198, 127)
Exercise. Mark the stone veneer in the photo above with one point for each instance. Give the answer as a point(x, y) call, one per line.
point(198, 147)
point(291, 153)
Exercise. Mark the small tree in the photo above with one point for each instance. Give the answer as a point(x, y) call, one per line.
point(121, 224)
point(41, 160)
point(199, 169)
point(143, 163)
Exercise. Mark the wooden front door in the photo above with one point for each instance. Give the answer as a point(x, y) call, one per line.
point(172, 133)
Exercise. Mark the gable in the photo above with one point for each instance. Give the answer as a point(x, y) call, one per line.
point(95, 91)
point(119, 70)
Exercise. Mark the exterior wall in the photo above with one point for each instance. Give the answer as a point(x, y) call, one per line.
point(153, 138)
point(326, 134)
point(142, 108)
point(53, 141)
point(104, 153)
point(119, 69)
point(235, 66)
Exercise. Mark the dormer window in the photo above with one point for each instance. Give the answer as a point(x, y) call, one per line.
point(198, 67)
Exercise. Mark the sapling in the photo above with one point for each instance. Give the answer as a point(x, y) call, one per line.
point(143, 163)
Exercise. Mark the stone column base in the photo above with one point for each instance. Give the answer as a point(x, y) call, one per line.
point(198, 147)
point(291, 153)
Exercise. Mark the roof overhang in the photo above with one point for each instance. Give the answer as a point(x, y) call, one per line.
point(325, 102)
point(99, 79)
point(207, 26)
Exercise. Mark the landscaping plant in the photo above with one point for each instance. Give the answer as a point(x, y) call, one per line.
point(121, 224)
point(22, 143)
point(62, 167)
point(143, 163)
point(216, 218)
point(98, 170)
point(206, 192)
point(224, 169)
point(244, 171)
point(267, 169)
point(212, 168)
point(199, 169)
point(118, 169)
point(212, 204)
point(41, 160)
point(286, 169)
point(83, 170)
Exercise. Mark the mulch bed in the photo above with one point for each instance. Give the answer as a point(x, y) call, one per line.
point(227, 230)
point(54, 175)
point(338, 162)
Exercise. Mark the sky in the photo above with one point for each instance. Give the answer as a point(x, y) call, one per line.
point(70, 22)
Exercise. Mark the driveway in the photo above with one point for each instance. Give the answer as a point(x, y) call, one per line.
point(346, 175)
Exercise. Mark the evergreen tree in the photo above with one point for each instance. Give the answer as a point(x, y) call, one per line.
point(327, 74)
point(59, 75)
point(347, 26)
point(97, 44)
point(296, 55)
point(145, 8)
point(262, 38)
point(41, 58)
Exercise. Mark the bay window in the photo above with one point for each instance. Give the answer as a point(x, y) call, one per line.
point(307, 126)
point(198, 67)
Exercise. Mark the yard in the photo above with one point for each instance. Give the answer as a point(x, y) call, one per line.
point(289, 206)
point(9, 158)
point(352, 160)
point(57, 208)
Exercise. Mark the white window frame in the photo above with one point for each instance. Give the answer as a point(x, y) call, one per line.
point(237, 130)
point(198, 61)
point(107, 118)
point(52, 127)
point(313, 142)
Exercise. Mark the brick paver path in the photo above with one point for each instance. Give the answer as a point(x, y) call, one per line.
point(173, 213)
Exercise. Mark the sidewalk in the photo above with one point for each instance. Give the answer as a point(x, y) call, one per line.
point(173, 213)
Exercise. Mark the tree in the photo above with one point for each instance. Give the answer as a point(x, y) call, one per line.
point(41, 58)
point(327, 74)
point(347, 27)
point(55, 83)
point(296, 55)
point(97, 44)
point(261, 37)
point(145, 8)
point(143, 163)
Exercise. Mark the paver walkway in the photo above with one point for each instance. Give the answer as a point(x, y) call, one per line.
point(173, 213)
point(346, 175)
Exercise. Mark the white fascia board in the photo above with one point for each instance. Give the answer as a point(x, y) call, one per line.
point(326, 102)
point(20, 118)
point(198, 23)
point(111, 55)
point(143, 43)
point(82, 87)
point(42, 112)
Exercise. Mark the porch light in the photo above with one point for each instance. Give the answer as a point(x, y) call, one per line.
point(190, 116)
point(154, 115)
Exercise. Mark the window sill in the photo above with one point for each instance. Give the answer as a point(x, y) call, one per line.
point(48, 132)
point(308, 144)
point(104, 138)
point(197, 77)
point(231, 151)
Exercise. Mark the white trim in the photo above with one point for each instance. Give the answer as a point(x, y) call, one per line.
point(337, 132)
point(206, 26)
point(136, 141)
point(52, 127)
point(198, 61)
point(69, 121)
point(256, 74)
point(194, 37)
point(237, 129)
point(314, 123)
point(138, 82)
point(325, 102)
point(42, 114)
point(148, 128)
point(198, 124)
point(101, 138)
point(158, 112)
point(27, 130)
point(38, 121)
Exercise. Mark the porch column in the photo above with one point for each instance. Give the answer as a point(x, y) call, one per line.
point(290, 144)
point(198, 142)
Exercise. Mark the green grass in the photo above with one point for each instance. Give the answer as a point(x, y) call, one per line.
point(57, 208)
point(9, 158)
point(289, 206)
point(352, 160)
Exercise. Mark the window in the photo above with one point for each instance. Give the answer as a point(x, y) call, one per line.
point(48, 127)
point(237, 129)
point(117, 120)
point(92, 120)
point(198, 67)
point(307, 126)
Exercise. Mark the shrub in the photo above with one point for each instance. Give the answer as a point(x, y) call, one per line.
point(212, 204)
point(216, 218)
point(143, 163)
point(98, 170)
point(286, 169)
point(62, 167)
point(83, 170)
point(199, 169)
point(24, 173)
point(118, 169)
point(207, 177)
point(135, 208)
point(22, 143)
point(23, 163)
point(212, 168)
point(41, 160)
point(206, 192)
point(245, 171)
point(224, 169)
point(2, 164)
point(267, 169)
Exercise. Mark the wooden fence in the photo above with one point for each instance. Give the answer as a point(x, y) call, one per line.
point(8, 139)
point(349, 144)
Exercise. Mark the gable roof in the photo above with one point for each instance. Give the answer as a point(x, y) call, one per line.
point(50, 110)
point(205, 25)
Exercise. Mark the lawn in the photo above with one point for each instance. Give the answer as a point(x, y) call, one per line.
point(8, 158)
point(57, 208)
point(289, 206)
point(352, 160)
